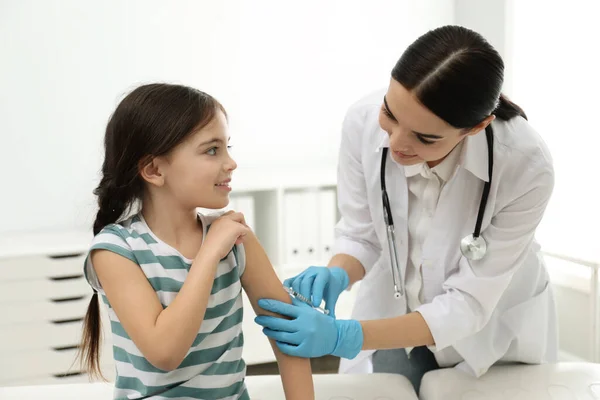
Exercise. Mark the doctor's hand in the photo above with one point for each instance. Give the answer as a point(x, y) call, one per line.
point(320, 283)
point(309, 333)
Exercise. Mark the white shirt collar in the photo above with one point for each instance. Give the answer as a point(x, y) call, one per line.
point(474, 157)
point(444, 170)
point(471, 154)
point(448, 166)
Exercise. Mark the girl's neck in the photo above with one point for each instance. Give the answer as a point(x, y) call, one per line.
point(173, 225)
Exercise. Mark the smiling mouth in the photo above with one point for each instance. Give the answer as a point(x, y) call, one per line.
point(224, 185)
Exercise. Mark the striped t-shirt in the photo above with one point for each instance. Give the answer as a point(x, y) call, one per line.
point(213, 367)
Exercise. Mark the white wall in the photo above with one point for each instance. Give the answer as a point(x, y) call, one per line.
point(285, 71)
point(556, 80)
point(486, 17)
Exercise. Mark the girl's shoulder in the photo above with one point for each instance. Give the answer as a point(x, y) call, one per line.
point(121, 238)
point(237, 255)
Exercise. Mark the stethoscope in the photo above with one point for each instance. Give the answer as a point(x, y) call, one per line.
point(473, 246)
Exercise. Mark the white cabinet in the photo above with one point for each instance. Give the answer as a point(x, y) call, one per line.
point(43, 300)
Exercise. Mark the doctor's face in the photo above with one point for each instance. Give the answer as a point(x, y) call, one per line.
point(416, 133)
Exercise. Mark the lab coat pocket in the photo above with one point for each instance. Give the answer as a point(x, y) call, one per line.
point(528, 323)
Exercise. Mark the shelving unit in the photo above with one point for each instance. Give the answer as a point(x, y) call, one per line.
point(272, 223)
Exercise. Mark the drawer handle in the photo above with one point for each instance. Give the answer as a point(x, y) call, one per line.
point(66, 321)
point(65, 278)
point(66, 348)
point(67, 299)
point(63, 256)
point(68, 374)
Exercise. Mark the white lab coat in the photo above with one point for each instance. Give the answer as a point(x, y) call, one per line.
point(500, 308)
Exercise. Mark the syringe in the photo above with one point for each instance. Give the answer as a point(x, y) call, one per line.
point(303, 299)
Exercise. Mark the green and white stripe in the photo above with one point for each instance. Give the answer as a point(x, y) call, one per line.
point(213, 367)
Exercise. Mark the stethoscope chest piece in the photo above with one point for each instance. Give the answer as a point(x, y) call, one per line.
point(473, 248)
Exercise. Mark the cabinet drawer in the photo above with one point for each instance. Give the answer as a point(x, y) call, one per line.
point(45, 336)
point(107, 370)
point(39, 336)
point(44, 289)
point(43, 311)
point(35, 267)
point(49, 363)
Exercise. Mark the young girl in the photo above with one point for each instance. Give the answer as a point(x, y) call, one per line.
point(170, 277)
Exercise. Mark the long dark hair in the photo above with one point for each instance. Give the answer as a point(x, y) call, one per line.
point(456, 74)
point(149, 122)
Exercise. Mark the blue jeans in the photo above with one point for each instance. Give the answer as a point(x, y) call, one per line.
point(395, 361)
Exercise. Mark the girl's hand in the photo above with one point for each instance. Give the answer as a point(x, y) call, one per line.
point(226, 231)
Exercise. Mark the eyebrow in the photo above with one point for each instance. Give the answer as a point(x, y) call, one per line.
point(425, 135)
point(213, 140)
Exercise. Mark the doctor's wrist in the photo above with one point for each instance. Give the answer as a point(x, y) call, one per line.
point(341, 275)
point(350, 338)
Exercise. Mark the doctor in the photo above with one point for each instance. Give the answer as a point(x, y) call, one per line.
point(441, 185)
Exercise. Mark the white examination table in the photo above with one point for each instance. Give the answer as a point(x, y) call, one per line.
point(563, 381)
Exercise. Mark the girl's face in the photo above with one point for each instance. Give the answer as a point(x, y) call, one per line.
point(197, 172)
point(416, 134)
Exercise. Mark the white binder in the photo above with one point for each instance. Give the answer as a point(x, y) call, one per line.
point(245, 205)
point(293, 229)
point(311, 254)
point(327, 221)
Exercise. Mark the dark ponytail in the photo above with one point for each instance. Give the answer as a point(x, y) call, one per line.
point(89, 349)
point(456, 74)
point(149, 122)
point(507, 110)
point(114, 200)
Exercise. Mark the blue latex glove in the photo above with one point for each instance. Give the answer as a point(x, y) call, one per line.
point(309, 333)
point(318, 283)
